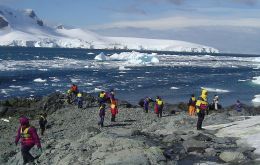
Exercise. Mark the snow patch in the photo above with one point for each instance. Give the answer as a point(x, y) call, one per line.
point(247, 130)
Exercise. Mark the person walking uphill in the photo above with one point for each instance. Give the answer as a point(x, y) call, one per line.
point(28, 136)
point(201, 108)
point(192, 104)
point(102, 113)
point(43, 122)
point(159, 105)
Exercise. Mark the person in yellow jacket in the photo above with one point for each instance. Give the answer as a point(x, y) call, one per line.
point(201, 107)
point(159, 103)
point(192, 104)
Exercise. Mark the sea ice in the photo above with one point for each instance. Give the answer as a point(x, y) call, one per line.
point(256, 80)
point(215, 90)
point(40, 80)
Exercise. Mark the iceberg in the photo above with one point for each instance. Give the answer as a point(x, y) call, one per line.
point(132, 58)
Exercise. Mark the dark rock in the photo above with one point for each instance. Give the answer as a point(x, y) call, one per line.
point(3, 110)
point(60, 27)
point(172, 138)
point(175, 152)
point(202, 137)
point(40, 22)
point(3, 22)
point(136, 132)
point(194, 145)
point(125, 104)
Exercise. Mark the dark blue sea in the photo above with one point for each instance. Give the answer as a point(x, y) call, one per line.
point(33, 72)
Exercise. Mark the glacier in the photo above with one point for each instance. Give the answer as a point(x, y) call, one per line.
point(24, 28)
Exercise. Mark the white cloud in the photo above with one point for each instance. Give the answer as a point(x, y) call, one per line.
point(184, 22)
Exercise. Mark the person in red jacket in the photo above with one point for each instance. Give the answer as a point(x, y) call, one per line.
point(113, 109)
point(28, 136)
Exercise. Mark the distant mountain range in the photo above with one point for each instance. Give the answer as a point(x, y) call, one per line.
point(24, 28)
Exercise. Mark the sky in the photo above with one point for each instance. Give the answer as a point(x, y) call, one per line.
point(228, 25)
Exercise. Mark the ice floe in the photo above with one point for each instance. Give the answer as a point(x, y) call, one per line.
point(256, 80)
point(39, 80)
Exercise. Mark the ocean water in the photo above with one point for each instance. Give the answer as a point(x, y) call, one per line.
point(33, 72)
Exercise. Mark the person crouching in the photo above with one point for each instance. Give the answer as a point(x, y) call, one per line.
point(29, 138)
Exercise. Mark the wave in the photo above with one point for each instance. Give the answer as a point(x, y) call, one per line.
point(215, 90)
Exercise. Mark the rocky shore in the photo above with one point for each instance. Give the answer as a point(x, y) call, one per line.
point(73, 136)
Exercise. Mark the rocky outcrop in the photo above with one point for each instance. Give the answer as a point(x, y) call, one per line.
point(3, 22)
point(73, 136)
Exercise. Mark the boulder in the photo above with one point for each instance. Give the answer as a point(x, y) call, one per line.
point(3, 110)
point(192, 145)
point(171, 138)
point(232, 157)
point(202, 137)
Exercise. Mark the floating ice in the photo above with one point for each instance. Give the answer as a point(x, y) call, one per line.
point(241, 80)
point(174, 88)
point(97, 89)
point(43, 69)
point(101, 57)
point(215, 90)
point(256, 100)
point(256, 80)
point(24, 88)
point(74, 80)
point(134, 58)
point(123, 68)
point(40, 80)
point(90, 53)
point(54, 79)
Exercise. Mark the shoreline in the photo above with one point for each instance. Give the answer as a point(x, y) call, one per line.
point(74, 136)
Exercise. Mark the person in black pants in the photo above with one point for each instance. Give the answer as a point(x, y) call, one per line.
point(201, 108)
point(43, 122)
point(159, 104)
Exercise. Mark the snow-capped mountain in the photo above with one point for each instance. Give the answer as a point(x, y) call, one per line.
point(24, 28)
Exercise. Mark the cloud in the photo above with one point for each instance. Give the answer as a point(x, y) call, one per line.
point(129, 9)
point(184, 22)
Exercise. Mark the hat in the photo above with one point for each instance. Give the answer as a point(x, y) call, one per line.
point(24, 120)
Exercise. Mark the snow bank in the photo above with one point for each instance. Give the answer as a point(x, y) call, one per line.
point(247, 130)
point(134, 58)
point(26, 29)
point(215, 90)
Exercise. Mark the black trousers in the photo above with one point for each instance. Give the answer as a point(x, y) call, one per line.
point(27, 157)
point(113, 118)
point(200, 120)
point(159, 112)
point(42, 129)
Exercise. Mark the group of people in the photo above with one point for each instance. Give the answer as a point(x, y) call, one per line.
point(107, 98)
point(28, 136)
point(147, 103)
point(74, 96)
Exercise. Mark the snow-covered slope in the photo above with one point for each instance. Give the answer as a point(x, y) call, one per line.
point(24, 28)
